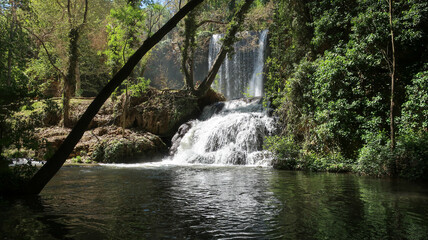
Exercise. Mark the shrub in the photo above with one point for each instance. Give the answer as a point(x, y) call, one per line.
point(285, 149)
point(375, 157)
point(139, 88)
point(411, 156)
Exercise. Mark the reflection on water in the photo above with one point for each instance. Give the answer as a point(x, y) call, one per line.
point(200, 202)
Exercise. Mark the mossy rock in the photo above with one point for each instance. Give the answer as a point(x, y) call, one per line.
point(162, 112)
point(124, 150)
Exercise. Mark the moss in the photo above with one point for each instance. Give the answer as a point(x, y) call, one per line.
point(124, 150)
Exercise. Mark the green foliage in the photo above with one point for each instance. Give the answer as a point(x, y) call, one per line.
point(329, 77)
point(407, 160)
point(19, 139)
point(289, 155)
point(375, 158)
point(116, 150)
point(77, 159)
point(14, 48)
point(12, 178)
point(414, 115)
point(139, 88)
point(24, 172)
point(285, 149)
point(411, 155)
point(125, 24)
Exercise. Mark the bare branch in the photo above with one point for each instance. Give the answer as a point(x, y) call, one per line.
point(46, 50)
point(59, 4)
point(69, 11)
point(85, 13)
point(210, 21)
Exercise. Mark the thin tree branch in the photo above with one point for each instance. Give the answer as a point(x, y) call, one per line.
point(61, 6)
point(46, 50)
point(85, 13)
point(210, 21)
point(69, 12)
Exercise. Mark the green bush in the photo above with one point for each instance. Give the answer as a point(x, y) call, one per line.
point(139, 88)
point(285, 149)
point(116, 151)
point(375, 157)
point(414, 115)
point(411, 155)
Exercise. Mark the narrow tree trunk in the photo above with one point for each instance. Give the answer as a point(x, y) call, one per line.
point(227, 47)
point(12, 41)
point(51, 167)
point(78, 90)
point(70, 78)
point(392, 104)
point(187, 50)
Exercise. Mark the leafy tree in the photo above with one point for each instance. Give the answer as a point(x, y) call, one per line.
point(14, 51)
point(332, 68)
point(46, 19)
point(43, 176)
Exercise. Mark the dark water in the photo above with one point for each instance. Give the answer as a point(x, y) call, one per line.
point(179, 202)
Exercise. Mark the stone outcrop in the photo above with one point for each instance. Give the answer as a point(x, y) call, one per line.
point(162, 112)
point(105, 144)
point(149, 121)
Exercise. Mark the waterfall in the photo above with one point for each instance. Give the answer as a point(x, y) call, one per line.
point(241, 75)
point(229, 133)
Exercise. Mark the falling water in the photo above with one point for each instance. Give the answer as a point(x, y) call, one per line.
point(230, 133)
point(241, 75)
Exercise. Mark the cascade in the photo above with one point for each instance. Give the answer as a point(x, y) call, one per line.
point(229, 133)
point(241, 75)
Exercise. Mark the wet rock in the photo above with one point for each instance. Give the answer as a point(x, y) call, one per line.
point(175, 142)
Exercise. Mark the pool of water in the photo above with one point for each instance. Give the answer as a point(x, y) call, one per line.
point(158, 201)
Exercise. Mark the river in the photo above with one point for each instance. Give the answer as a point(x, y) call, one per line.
point(166, 201)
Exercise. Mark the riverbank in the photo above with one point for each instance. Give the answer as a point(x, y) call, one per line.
point(128, 128)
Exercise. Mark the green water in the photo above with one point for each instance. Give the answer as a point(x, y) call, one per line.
point(201, 202)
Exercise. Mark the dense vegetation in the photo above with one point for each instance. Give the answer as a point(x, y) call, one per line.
point(73, 47)
point(330, 76)
point(348, 79)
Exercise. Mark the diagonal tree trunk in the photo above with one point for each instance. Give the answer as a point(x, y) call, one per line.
point(45, 174)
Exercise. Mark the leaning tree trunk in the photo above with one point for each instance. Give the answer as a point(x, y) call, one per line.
point(45, 174)
point(227, 47)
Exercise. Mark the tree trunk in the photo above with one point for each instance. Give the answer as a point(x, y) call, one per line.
point(78, 91)
point(392, 104)
point(11, 39)
point(227, 47)
point(51, 167)
point(70, 78)
point(188, 49)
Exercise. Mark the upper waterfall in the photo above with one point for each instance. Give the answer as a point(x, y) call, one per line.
point(242, 74)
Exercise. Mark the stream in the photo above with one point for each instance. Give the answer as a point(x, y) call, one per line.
point(166, 201)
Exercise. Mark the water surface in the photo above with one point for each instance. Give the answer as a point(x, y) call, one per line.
point(158, 201)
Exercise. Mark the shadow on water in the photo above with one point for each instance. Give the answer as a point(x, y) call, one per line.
point(200, 202)
point(342, 206)
point(27, 218)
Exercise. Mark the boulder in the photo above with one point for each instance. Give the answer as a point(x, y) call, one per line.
point(105, 144)
point(162, 112)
